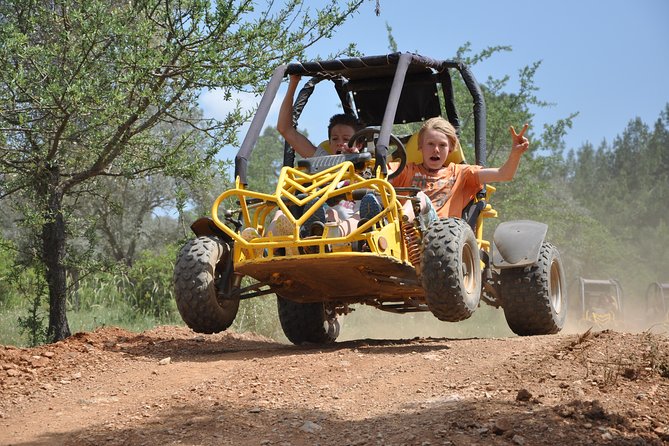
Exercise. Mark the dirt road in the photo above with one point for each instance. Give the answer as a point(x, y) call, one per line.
point(172, 386)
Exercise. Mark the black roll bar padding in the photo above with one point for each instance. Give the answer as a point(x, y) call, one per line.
point(241, 168)
point(342, 64)
point(298, 107)
point(449, 102)
point(344, 96)
point(303, 97)
point(381, 155)
point(288, 154)
point(479, 114)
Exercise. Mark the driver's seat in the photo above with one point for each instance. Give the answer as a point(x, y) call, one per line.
point(457, 156)
point(475, 207)
point(326, 146)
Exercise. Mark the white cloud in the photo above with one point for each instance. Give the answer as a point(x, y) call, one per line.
point(215, 106)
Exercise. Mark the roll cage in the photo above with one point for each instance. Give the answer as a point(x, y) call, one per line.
point(396, 88)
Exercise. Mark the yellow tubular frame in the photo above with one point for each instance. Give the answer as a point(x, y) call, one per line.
point(318, 187)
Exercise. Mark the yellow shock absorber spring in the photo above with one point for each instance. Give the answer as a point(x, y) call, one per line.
point(412, 240)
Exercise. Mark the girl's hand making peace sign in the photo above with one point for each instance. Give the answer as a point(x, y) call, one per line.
point(519, 142)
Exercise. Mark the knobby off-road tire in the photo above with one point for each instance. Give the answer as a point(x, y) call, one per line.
point(534, 297)
point(197, 278)
point(451, 270)
point(311, 323)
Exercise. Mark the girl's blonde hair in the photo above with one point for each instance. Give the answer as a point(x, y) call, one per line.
point(441, 125)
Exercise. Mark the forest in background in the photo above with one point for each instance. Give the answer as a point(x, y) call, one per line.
point(123, 223)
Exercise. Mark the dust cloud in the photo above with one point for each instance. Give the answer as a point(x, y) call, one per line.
point(487, 322)
point(368, 322)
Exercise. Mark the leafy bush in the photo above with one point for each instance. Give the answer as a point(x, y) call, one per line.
point(148, 284)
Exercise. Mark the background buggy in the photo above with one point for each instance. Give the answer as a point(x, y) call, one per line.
point(657, 303)
point(600, 303)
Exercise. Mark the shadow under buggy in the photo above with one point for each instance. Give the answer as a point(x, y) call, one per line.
point(387, 262)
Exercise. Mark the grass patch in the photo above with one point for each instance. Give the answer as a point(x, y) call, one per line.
point(85, 320)
point(10, 333)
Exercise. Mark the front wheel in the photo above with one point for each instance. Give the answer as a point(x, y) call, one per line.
point(534, 297)
point(204, 298)
point(314, 323)
point(451, 270)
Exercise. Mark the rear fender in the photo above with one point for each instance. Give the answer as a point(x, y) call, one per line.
point(206, 226)
point(517, 243)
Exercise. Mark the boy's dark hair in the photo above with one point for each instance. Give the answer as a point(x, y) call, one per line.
point(345, 119)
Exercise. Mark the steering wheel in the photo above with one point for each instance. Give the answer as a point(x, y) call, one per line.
point(371, 134)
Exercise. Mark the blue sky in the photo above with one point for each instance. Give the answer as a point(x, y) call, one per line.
point(606, 59)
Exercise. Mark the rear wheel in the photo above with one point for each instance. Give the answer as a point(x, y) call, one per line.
point(313, 323)
point(451, 270)
point(202, 297)
point(534, 297)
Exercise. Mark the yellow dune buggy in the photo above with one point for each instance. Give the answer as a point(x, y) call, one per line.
point(600, 304)
point(387, 262)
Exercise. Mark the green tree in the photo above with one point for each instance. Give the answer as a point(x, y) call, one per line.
point(622, 186)
point(83, 84)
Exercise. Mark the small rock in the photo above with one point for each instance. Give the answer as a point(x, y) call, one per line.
point(165, 361)
point(501, 426)
point(631, 373)
point(517, 439)
point(523, 395)
point(39, 361)
point(310, 427)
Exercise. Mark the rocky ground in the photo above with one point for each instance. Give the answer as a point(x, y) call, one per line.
point(172, 386)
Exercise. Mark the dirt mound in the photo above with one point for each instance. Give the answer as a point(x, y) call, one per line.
point(170, 385)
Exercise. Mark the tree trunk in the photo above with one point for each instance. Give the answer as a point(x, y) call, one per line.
point(53, 254)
